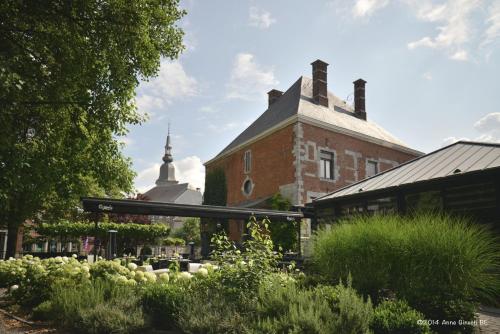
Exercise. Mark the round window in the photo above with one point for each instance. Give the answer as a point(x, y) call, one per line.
point(247, 187)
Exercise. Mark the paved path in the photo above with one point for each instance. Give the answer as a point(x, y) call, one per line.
point(489, 320)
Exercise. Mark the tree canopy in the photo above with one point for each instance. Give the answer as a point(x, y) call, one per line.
point(145, 233)
point(68, 73)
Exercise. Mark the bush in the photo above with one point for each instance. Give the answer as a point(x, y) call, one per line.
point(283, 307)
point(161, 302)
point(94, 307)
point(436, 263)
point(396, 317)
point(243, 269)
point(211, 312)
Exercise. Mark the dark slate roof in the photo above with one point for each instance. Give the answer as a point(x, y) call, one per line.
point(459, 158)
point(297, 100)
point(172, 194)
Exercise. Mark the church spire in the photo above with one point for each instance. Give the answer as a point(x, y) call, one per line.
point(167, 169)
point(168, 149)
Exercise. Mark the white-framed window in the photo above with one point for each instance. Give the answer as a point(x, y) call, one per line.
point(247, 187)
point(371, 168)
point(326, 163)
point(247, 161)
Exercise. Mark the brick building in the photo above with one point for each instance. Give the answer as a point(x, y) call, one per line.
point(306, 144)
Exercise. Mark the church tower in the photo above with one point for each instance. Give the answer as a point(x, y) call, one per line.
point(167, 169)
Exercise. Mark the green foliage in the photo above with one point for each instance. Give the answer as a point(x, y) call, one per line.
point(396, 317)
point(162, 302)
point(283, 233)
point(107, 269)
point(34, 277)
point(174, 241)
point(243, 269)
point(140, 232)
point(96, 307)
point(283, 307)
point(146, 250)
point(211, 311)
point(190, 231)
point(215, 188)
point(442, 266)
point(215, 194)
point(68, 74)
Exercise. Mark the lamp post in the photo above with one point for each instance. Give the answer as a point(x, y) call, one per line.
point(111, 249)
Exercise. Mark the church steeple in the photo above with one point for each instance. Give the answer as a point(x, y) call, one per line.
point(167, 169)
point(168, 149)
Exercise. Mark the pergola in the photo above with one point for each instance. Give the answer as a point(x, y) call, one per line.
point(137, 207)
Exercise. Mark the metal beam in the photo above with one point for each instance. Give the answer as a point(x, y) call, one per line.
point(106, 205)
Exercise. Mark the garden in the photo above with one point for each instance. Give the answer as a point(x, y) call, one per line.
point(378, 274)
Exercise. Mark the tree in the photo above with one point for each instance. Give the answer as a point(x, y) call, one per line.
point(68, 73)
point(283, 233)
point(190, 231)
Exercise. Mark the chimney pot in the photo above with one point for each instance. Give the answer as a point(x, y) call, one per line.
point(273, 96)
point(359, 99)
point(320, 87)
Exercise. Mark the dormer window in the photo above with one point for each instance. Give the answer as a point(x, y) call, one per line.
point(247, 161)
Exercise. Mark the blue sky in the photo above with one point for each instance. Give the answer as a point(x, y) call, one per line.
point(432, 69)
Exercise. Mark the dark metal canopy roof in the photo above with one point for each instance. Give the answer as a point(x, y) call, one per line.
point(457, 160)
point(106, 205)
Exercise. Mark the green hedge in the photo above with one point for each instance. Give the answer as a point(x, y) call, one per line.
point(128, 230)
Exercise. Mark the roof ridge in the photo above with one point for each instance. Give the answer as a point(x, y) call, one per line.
point(276, 109)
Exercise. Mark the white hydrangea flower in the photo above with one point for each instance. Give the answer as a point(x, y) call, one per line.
point(185, 275)
point(203, 272)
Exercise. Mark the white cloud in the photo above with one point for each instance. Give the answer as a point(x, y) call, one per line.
point(450, 140)
point(425, 41)
point(458, 30)
point(126, 141)
point(188, 170)
point(147, 103)
point(455, 29)
point(488, 127)
point(460, 55)
point(249, 80)
point(146, 178)
point(427, 76)
point(208, 110)
point(221, 128)
point(172, 83)
point(488, 123)
point(493, 31)
point(260, 18)
point(368, 7)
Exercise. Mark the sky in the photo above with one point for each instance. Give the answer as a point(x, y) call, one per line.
point(432, 70)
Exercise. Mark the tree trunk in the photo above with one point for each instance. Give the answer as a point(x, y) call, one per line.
point(12, 229)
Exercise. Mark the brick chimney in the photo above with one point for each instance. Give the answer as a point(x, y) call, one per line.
point(273, 96)
point(320, 93)
point(359, 99)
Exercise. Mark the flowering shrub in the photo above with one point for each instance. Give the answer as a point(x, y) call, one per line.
point(33, 276)
point(243, 269)
point(30, 279)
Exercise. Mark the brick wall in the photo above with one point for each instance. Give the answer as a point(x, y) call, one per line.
point(272, 167)
point(287, 161)
point(351, 155)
